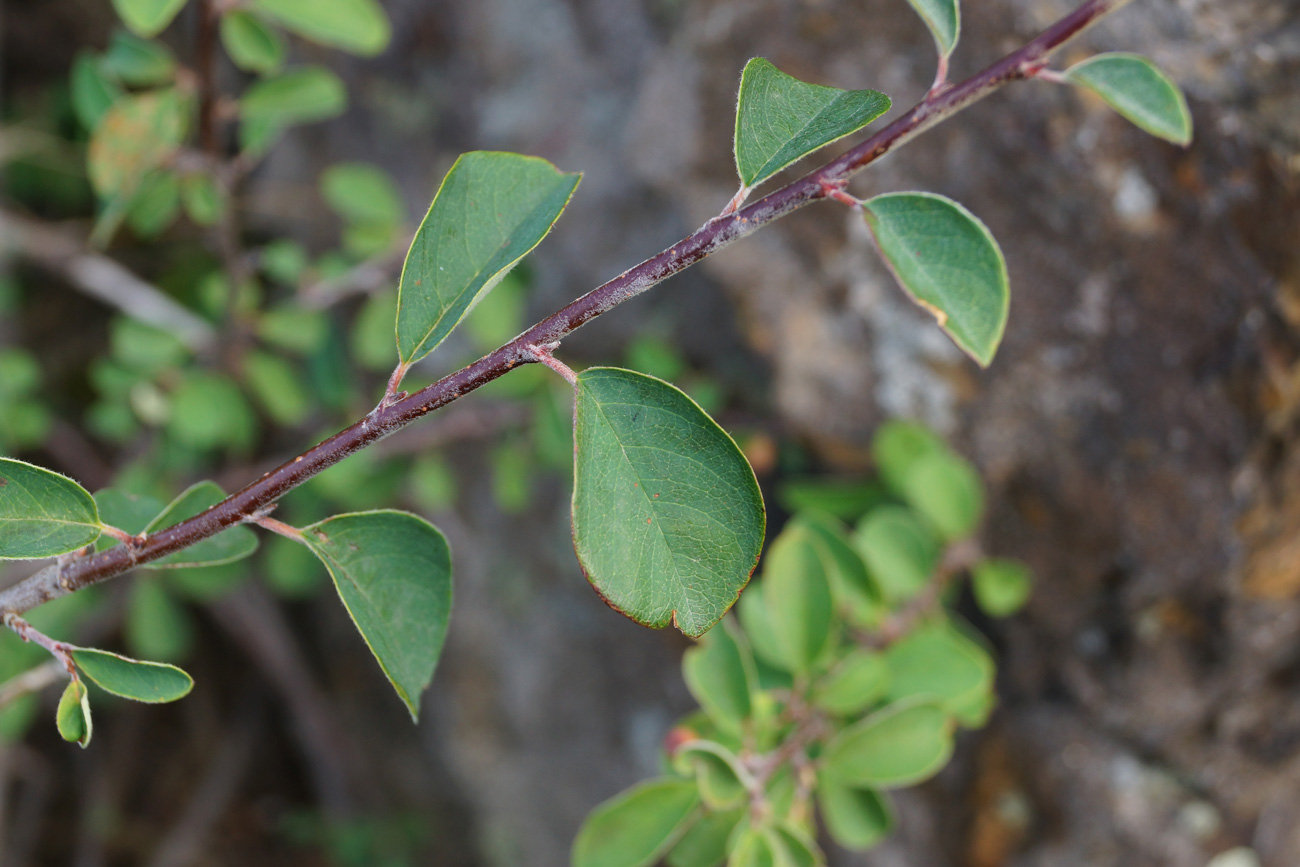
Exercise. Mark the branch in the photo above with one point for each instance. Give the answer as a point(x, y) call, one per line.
point(55, 581)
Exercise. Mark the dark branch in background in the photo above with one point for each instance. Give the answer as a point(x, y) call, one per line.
point(259, 497)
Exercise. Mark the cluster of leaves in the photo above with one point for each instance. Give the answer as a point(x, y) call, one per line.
point(842, 676)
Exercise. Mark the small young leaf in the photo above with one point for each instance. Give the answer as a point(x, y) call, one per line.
point(393, 572)
point(92, 92)
point(767, 646)
point(705, 843)
point(251, 44)
point(798, 597)
point(668, 519)
point(635, 828)
point(155, 205)
point(857, 819)
point(73, 715)
point(491, 210)
point(943, 17)
point(1001, 586)
point(901, 745)
point(898, 445)
point(899, 550)
point(795, 848)
point(277, 387)
point(1137, 89)
point(780, 119)
point(231, 544)
point(152, 682)
point(937, 662)
point(135, 136)
point(147, 18)
point(947, 260)
point(356, 26)
point(203, 200)
point(947, 491)
point(858, 681)
point(362, 193)
point(717, 773)
point(719, 672)
point(304, 95)
point(208, 411)
point(852, 588)
point(42, 514)
point(138, 62)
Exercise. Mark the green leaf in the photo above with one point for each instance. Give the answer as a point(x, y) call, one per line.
point(293, 329)
point(203, 199)
point(42, 514)
point(898, 445)
point(499, 316)
point(780, 119)
point(144, 348)
point(208, 411)
point(156, 624)
point(719, 672)
point(900, 551)
point(147, 18)
point(371, 340)
point(277, 387)
point(943, 17)
point(668, 519)
point(92, 92)
point(231, 544)
point(136, 135)
point(705, 843)
point(854, 592)
point(1001, 586)
point(856, 682)
point(491, 210)
point(251, 44)
point(304, 95)
point(946, 490)
point(947, 260)
point(798, 597)
point(393, 572)
point(717, 773)
point(939, 663)
point(901, 745)
point(356, 26)
point(843, 499)
point(763, 639)
point(73, 715)
point(1137, 89)
point(125, 511)
point(138, 62)
point(857, 819)
point(152, 682)
point(795, 848)
point(362, 193)
point(636, 827)
point(754, 848)
point(155, 205)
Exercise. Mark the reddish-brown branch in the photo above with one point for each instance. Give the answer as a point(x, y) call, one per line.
point(56, 581)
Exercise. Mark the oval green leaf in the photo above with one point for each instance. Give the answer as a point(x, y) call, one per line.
point(948, 262)
point(491, 210)
point(899, 550)
point(752, 613)
point(1137, 89)
point(855, 594)
point(943, 17)
point(43, 514)
point(798, 596)
point(899, 746)
point(73, 714)
point(364, 193)
point(251, 44)
point(939, 663)
point(92, 91)
point(136, 135)
point(857, 819)
point(152, 682)
point(147, 18)
point(794, 847)
point(946, 490)
point(705, 843)
point(719, 672)
point(635, 828)
point(1001, 586)
point(138, 62)
point(393, 572)
point(898, 445)
point(302, 95)
point(130, 513)
point(668, 519)
point(717, 773)
point(231, 544)
point(856, 682)
point(780, 119)
point(754, 848)
point(357, 26)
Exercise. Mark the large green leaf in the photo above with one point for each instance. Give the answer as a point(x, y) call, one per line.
point(491, 210)
point(636, 827)
point(357, 26)
point(780, 119)
point(668, 519)
point(904, 744)
point(393, 572)
point(852, 588)
point(42, 514)
point(947, 260)
point(943, 17)
point(136, 135)
point(798, 596)
point(231, 544)
point(251, 44)
point(720, 674)
point(1137, 89)
point(857, 819)
point(73, 714)
point(128, 512)
point(152, 682)
point(147, 18)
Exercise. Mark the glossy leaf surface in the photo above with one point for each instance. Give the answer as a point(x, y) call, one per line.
point(152, 682)
point(42, 514)
point(899, 746)
point(357, 26)
point(491, 210)
point(780, 119)
point(667, 516)
point(1137, 89)
point(393, 572)
point(947, 260)
point(636, 827)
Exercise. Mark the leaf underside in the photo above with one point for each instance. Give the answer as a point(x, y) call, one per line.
point(1137, 89)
